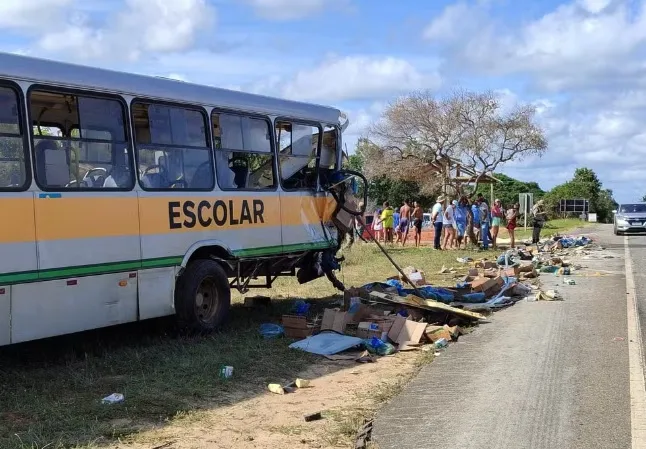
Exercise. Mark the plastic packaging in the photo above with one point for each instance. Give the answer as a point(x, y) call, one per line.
point(301, 308)
point(114, 398)
point(225, 372)
point(441, 343)
point(379, 347)
point(270, 330)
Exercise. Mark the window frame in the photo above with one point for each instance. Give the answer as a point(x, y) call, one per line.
point(272, 144)
point(88, 94)
point(338, 162)
point(24, 134)
point(297, 121)
point(207, 131)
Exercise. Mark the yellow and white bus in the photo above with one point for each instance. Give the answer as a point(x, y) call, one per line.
point(126, 197)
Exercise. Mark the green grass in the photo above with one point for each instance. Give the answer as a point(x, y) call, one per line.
point(50, 391)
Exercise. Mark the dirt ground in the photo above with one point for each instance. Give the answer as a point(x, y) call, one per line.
point(338, 389)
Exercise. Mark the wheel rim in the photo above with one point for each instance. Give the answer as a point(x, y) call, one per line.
point(206, 300)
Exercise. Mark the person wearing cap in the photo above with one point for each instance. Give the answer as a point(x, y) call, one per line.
point(437, 214)
point(497, 214)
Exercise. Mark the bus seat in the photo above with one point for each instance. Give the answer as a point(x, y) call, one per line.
point(240, 176)
point(202, 178)
point(52, 165)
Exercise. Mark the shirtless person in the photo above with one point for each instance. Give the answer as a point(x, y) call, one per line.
point(404, 221)
point(418, 216)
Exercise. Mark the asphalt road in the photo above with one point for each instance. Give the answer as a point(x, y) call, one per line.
point(540, 375)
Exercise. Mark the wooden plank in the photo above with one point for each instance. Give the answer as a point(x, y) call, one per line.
point(425, 304)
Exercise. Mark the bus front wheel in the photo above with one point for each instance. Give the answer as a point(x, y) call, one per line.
point(203, 296)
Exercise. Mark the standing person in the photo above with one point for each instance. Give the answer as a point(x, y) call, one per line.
point(449, 225)
point(484, 222)
point(496, 220)
point(475, 211)
point(396, 222)
point(437, 218)
point(539, 216)
point(388, 220)
point(404, 221)
point(377, 225)
point(418, 216)
point(512, 216)
point(461, 214)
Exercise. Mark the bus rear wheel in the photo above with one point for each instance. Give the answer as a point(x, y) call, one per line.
point(202, 297)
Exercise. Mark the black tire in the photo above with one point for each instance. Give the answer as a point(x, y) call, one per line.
point(207, 312)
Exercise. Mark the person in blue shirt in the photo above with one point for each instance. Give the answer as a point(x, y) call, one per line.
point(460, 216)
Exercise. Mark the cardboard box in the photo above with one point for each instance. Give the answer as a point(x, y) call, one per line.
point(405, 330)
point(334, 320)
point(490, 273)
point(366, 329)
point(473, 272)
point(486, 264)
point(414, 275)
point(510, 272)
point(434, 333)
point(484, 284)
point(297, 326)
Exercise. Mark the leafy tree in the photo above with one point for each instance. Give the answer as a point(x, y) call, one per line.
point(584, 185)
point(644, 198)
point(509, 189)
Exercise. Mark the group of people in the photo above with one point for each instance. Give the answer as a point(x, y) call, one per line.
point(389, 223)
point(451, 224)
point(459, 223)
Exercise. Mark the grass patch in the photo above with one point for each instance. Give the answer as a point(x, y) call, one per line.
point(50, 390)
point(560, 226)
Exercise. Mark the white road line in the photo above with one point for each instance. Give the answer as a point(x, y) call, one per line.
point(635, 360)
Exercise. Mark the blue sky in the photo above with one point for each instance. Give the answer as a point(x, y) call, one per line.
point(582, 62)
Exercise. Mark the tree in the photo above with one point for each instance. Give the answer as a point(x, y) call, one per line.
point(381, 187)
point(644, 198)
point(463, 127)
point(509, 189)
point(584, 185)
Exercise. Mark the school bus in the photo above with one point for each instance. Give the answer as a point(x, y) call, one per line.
point(127, 197)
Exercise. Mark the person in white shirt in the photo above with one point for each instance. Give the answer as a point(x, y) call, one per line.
point(449, 225)
point(437, 214)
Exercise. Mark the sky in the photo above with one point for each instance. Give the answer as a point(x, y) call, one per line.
point(582, 63)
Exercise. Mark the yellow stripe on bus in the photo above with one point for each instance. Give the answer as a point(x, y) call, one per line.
point(88, 217)
point(17, 220)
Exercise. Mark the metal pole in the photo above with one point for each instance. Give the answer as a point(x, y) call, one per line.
point(419, 293)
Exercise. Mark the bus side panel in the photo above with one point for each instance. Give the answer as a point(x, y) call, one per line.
point(17, 238)
point(87, 233)
point(5, 315)
point(246, 223)
point(156, 292)
point(63, 306)
point(302, 216)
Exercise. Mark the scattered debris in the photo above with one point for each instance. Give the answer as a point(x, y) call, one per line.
point(270, 330)
point(313, 417)
point(569, 281)
point(114, 398)
point(289, 388)
point(225, 372)
point(327, 343)
point(549, 295)
point(363, 436)
point(257, 301)
point(618, 339)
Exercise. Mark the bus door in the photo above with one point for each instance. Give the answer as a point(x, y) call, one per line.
point(305, 208)
point(87, 228)
point(18, 261)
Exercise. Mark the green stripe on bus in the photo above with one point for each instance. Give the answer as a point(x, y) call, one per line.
point(270, 250)
point(87, 270)
point(160, 262)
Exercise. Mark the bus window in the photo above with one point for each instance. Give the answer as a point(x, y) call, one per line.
point(80, 142)
point(297, 150)
point(13, 175)
point(172, 147)
point(243, 152)
point(329, 153)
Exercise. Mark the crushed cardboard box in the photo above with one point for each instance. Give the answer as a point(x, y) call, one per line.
point(334, 320)
point(425, 304)
point(297, 326)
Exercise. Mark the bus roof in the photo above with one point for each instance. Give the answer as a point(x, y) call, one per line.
point(24, 68)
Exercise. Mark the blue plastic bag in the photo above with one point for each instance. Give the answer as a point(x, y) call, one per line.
point(270, 330)
point(379, 347)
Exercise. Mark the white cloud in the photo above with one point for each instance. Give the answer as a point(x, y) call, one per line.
point(31, 14)
point(292, 9)
point(359, 77)
point(142, 28)
point(594, 6)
